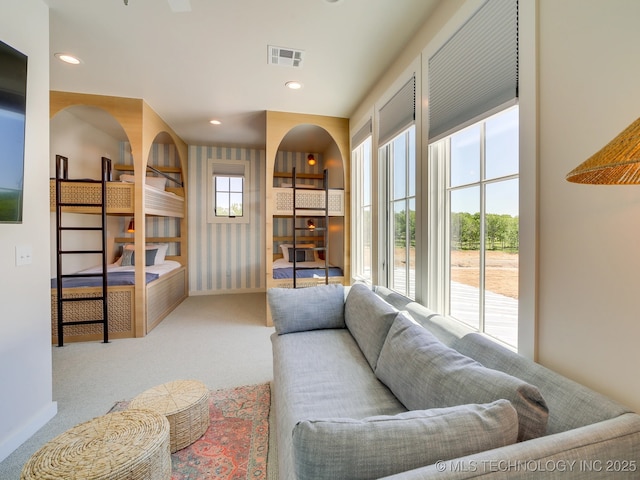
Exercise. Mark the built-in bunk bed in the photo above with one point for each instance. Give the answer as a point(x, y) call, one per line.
point(165, 277)
point(146, 185)
point(312, 144)
point(303, 207)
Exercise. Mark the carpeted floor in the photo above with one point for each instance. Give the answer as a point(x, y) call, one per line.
point(220, 340)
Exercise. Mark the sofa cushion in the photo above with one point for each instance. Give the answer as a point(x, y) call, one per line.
point(383, 445)
point(424, 373)
point(571, 405)
point(302, 309)
point(368, 319)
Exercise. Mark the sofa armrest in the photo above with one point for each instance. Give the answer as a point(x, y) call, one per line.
point(608, 449)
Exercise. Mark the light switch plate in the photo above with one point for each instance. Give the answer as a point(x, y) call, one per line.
point(23, 255)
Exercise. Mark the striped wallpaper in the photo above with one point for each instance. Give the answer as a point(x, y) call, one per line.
point(225, 258)
point(230, 258)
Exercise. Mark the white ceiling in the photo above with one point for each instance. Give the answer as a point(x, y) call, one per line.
point(211, 61)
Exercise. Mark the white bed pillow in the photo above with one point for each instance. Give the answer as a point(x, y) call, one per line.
point(160, 254)
point(284, 247)
point(155, 182)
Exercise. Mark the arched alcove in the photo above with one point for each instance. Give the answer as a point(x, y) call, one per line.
point(310, 139)
point(130, 133)
point(291, 138)
point(84, 134)
point(164, 171)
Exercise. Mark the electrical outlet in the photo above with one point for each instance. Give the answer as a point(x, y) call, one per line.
point(23, 255)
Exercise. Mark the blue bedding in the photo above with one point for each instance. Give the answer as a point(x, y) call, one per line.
point(113, 279)
point(280, 273)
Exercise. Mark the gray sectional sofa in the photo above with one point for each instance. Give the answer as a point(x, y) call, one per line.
point(368, 384)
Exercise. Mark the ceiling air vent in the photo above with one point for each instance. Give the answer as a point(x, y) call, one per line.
point(288, 57)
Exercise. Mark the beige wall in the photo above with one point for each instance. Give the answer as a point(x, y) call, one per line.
point(589, 272)
point(84, 145)
point(25, 320)
point(579, 269)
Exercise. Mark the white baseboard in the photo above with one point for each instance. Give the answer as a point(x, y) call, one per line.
point(35, 423)
point(195, 293)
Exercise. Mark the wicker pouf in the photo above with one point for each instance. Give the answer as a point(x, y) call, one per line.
point(185, 403)
point(131, 445)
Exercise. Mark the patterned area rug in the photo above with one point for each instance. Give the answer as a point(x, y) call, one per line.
point(236, 444)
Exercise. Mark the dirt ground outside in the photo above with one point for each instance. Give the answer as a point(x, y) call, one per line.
point(501, 273)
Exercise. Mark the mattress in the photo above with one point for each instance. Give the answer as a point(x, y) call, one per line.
point(117, 275)
point(284, 269)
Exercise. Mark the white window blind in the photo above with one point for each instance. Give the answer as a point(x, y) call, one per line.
point(476, 70)
point(398, 113)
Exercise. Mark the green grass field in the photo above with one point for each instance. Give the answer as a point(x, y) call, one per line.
point(10, 206)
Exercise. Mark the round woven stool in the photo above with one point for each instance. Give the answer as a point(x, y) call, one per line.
point(185, 403)
point(133, 444)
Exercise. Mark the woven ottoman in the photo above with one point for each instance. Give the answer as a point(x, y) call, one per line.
point(185, 403)
point(131, 445)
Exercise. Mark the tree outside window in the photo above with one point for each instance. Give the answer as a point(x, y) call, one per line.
point(229, 191)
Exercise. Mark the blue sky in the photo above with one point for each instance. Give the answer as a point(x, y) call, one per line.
point(11, 149)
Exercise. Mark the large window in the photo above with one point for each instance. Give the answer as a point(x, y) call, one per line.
point(399, 157)
point(361, 258)
point(480, 224)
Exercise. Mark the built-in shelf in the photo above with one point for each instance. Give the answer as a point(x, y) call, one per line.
point(148, 239)
point(129, 168)
point(315, 176)
point(289, 238)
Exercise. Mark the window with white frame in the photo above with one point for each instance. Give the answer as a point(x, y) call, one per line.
point(479, 223)
point(228, 195)
point(397, 171)
point(361, 252)
point(400, 160)
point(473, 172)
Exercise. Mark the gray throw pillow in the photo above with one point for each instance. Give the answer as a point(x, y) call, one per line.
point(368, 319)
point(129, 257)
point(423, 373)
point(302, 309)
point(378, 446)
point(302, 255)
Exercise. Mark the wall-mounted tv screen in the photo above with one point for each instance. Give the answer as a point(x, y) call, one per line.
point(13, 102)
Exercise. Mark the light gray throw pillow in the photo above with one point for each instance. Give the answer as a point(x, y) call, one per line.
point(368, 319)
point(423, 373)
point(302, 309)
point(378, 446)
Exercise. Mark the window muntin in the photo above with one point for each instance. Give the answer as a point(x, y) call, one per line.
point(362, 253)
point(481, 225)
point(399, 155)
point(229, 192)
point(229, 196)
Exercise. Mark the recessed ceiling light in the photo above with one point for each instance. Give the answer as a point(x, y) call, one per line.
point(293, 85)
point(215, 122)
point(68, 58)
